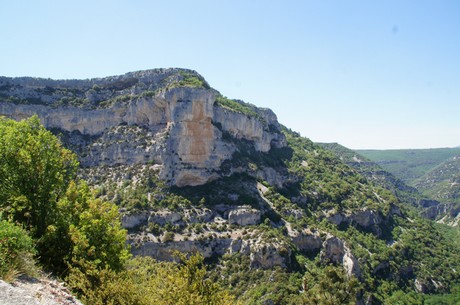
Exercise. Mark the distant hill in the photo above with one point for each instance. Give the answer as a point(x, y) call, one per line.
point(375, 173)
point(435, 173)
point(442, 182)
point(410, 164)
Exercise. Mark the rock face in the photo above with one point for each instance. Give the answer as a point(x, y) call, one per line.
point(165, 251)
point(307, 242)
point(337, 252)
point(263, 254)
point(370, 220)
point(164, 217)
point(129, 221)
point(266, 255)
point(244, 216)
point(141, 117)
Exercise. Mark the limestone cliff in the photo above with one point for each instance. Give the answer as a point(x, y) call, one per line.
point(194, 171)
point(165, 116)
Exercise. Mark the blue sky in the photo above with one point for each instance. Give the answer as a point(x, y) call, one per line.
point(366, 74)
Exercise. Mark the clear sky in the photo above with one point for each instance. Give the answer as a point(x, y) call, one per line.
point(366, 74)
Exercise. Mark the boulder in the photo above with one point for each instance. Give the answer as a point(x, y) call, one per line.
point(132, 220)
point(266, 254)
point(244, 216)
point(163, 217)
point(307, 241)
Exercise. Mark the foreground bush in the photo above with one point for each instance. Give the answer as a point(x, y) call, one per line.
point(39, 191)
point(148, 282)
point(16, 251)
point(34, 173)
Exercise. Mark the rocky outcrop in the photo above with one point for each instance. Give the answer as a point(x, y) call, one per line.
point(244, 216)
point(240, 215)
point(133, 220)
point(336, 251)
point(428, 286)
point(365, 218)
point(263, 254)
point(449, 213)
point(165, 251)
point(368, 219)
point(198, 215)
point(143, 117)
point(29, 291)
point(267, 255)
point(163, 217)
point(307, 242)
point(251, 128)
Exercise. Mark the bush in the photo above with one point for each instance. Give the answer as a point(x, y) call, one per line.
point(37, 189)
point(87, 234)
point(239, 107)
point(148, 282)
point(16, 251)
point(34, 173)
point(168, 237)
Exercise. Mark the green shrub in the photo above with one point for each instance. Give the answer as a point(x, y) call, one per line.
point(192, 80)
point(16, 251)
point(239, 107)
point(168, 237)
point(34, 173)
point(148, 282)
point(71, 228)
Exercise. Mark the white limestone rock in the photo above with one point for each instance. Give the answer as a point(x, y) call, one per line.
point(163, 217)
point(244, 216)
point(336, 251)
point(132, 220)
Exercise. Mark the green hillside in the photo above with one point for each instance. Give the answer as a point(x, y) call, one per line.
point(443, 182)
point(375, 173)
point(410, 164)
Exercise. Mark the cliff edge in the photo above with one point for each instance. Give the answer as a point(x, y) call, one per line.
point(168, 117)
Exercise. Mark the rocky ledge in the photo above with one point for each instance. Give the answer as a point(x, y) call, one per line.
point(28, 291)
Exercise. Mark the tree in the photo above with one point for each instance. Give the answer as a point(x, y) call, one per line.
point(34, 173)
point(87, 234)
point(37, 189)
point(329, 286)
point(182, 283)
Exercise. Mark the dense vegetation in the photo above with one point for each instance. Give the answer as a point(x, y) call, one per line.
point(375, 174)
point(192, 80)
point(16, 251)
point(416, 244)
